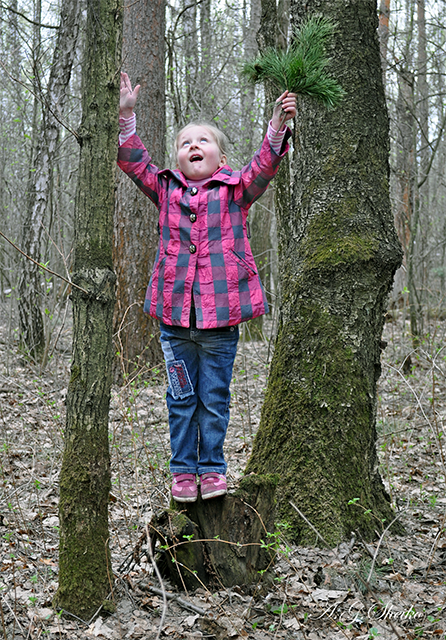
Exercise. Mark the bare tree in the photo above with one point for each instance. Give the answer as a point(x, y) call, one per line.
point(40, 183)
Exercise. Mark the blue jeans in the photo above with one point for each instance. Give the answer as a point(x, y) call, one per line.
point(199, 368)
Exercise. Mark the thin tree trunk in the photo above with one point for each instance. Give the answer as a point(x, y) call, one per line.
point(41, 183)
point(136, 219)
point(191, 63)
point(424, 156)
point(405, 186)
point(338, 252)
point(205, 77)
point(263, 213)
point(383, 33)
point(85, 575)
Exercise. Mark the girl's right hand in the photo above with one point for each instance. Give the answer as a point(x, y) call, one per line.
point(128, 96)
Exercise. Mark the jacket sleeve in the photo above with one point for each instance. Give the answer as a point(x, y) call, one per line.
point(256, 176)
point(135, 161)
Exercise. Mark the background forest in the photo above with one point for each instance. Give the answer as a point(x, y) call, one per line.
point(205, 45)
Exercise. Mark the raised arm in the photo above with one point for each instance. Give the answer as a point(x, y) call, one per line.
point(285, 109)
point(255, 177)
point(128, 97)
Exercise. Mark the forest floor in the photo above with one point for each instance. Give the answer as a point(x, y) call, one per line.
point(317, 593)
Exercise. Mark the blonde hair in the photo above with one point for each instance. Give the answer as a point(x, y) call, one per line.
point(219, 137)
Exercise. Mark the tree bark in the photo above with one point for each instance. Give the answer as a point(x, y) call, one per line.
point(406, 208)
point(424, 154)
point(383, 33)
point(338, 252)
point(85, 575)
point(136, 218)
point(262, 216)
point(220, 542)
point(40, 184)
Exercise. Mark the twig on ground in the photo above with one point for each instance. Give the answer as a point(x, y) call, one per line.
point(379, 544)
point(158, 574)
point(13, 613)
point(181, 601)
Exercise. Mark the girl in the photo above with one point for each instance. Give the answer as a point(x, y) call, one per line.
point(204, 280)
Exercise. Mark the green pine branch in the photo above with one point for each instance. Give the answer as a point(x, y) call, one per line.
point(302, 68)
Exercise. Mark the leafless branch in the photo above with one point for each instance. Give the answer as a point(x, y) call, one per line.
point(39, 264)
point(22, 15)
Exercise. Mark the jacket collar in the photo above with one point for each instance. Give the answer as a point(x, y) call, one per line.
point(224, 174)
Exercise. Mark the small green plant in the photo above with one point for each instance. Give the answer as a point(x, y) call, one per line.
point(280, 611)
point(274, 544)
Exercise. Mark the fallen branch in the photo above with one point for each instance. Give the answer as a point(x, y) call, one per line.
point(158, 575)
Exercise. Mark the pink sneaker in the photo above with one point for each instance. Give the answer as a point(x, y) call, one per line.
point(213, 485)
point(184, 487)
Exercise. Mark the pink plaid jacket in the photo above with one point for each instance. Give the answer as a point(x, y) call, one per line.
point(203, 256)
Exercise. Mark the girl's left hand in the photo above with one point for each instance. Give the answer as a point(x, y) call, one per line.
point(284, 110)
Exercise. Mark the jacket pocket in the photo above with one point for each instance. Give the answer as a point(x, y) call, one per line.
point(158, 270)
point(242, 262)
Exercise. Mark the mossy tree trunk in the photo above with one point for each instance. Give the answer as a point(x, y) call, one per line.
point(338, 252)
point(84, 559)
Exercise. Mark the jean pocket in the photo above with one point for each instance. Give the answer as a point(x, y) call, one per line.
point(179, 380)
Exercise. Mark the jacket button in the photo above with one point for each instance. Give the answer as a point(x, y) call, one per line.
point(192, 248)
point(193, 191)
point(192, 217)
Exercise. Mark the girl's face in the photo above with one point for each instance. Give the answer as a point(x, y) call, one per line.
point(199, 155)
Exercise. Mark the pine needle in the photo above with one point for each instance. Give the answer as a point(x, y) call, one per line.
point(302, 68)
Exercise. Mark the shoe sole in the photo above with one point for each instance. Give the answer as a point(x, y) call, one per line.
point(214, 494)
point(192, 499)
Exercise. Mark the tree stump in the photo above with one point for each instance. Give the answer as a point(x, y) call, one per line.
point(218, 543)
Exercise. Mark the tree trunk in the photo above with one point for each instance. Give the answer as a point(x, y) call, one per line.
point(383, 33)
point(424, 154)
point(220, 542)
point(136, 218)
point(338, 252)
point(263, 213)
point(191, 106)
point(404, 186)
point(206, 99)
point(40, 184)
point(85, 574)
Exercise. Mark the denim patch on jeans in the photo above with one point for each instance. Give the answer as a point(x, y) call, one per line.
point(199, 366)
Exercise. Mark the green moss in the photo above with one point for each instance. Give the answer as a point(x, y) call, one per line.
point(94, 254)
point(250, 484)
point(317, 431)
point(108, 607)
point(335, 237)
point(75, 373)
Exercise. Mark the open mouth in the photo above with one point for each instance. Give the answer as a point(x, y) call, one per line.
point(196, 158)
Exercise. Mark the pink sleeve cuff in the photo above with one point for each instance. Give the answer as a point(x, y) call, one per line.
point(127, 127)
point(276, 138)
